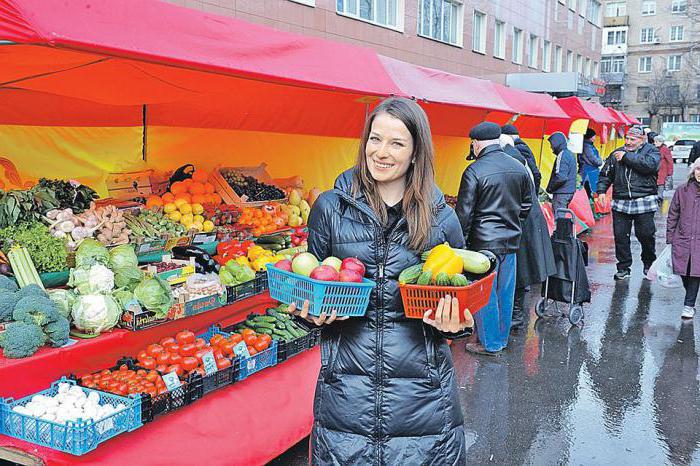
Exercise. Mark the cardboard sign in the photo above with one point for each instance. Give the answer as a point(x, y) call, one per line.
point(209, 363)
point(172, 381)
point(241, 350)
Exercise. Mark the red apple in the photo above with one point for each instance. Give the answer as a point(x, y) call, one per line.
point(285, 264)
point(353, 263)
point(325, 273)
point(350, 276)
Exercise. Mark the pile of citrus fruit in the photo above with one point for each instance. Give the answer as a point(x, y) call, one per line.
point(184, 203)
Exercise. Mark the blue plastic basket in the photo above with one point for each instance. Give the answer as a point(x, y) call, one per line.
point(346, 299)
point(77, 437)
point(248, 366)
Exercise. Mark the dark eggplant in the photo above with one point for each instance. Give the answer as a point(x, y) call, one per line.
point(203, 261)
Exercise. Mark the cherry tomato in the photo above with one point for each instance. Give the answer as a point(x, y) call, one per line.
point(105, 373)
point(216, 339)
point(152, 376)
point(227, 347)
point(252, 351)
point(104, 383)
point(141, 372)
point(177, 368)
point(188, 349)
point(163, 358)
point(236, 338)
point(189, 363)
point(148, 363)
point(175, 358)
point(247, 331)
point(154, 350)
point(199, 343)
point(166, 341)
point(162, 368)
point(86, 379)
point(250, 340)
point(261, 346)
point(185, 337)
point(113, 385)
point(142, 355)
point(123, 367)
point(223, 363)
point(171, 347)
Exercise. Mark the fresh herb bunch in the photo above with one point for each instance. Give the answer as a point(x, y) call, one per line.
point(18, 206)
point(70, 194)
point(47, 252)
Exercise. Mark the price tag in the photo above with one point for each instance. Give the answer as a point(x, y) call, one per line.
point(172, 381)
point(209, 363)
point(241, 350)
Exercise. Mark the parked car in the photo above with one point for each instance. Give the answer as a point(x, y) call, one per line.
point(681, 149)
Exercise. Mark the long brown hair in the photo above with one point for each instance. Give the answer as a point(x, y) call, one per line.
point(418, 198)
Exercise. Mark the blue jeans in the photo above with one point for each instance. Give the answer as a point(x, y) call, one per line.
point(493, 320)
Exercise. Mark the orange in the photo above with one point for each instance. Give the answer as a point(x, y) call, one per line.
point(209, 188)
point(185, 197)
point(187, 182)
point(200, 176)
point(168, 197)
point(197, 188)
point(178, 187)
point(200, 199)
point(215, 199)
point(154, 201)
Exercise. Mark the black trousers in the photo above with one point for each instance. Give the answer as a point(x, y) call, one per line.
point(691, 285)
point(518, 318)
point(644, 229)
point(561, 201)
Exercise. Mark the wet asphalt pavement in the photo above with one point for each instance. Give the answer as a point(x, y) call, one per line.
point(622, 389)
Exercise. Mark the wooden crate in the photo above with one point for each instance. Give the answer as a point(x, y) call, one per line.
point(227, 193)
point(130, 185)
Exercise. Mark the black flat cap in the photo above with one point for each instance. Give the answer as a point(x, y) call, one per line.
point(510, 130)
point(485, 131)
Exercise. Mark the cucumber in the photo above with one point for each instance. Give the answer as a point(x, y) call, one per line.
point(443, 279)
point(426, 278)
point(296, 333)
point(266, 331)
point(258, 325)
point(270, 239)
point(410, 275)
point(459, 280)
point(271, 319)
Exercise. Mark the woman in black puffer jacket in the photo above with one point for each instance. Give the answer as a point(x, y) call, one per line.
point(386, 393)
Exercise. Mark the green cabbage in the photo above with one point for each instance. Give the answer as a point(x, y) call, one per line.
point(123, 297)
point(64, 300)
point(95, 313)
point(91, 252)
point(127, 277)
point(123, 256)
point(155, 295)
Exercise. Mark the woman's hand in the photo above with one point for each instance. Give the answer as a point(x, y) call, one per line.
point(447, 316)
point(320, 320)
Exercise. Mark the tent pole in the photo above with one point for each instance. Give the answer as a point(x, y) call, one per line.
point(544, 129)
point(143, 132)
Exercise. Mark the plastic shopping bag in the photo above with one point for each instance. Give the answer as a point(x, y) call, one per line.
point(580, 206)
point(661, 271)
point(604, 207)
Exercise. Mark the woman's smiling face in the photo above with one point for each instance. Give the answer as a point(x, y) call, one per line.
point(389, 149)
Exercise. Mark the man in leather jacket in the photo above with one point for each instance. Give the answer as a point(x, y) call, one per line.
point(494, 200)
point(632, 171)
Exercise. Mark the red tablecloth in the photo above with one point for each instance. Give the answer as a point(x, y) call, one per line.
point(248, 423)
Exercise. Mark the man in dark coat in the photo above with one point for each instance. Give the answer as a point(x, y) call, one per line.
point(535, 258)
point(494, 199)
point(562, 182)
point(525, 151)
point(632, 171)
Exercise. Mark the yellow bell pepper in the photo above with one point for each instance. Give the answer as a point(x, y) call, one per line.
point(255, 251)
point(243, 260)
point(260, 264)
point(443, 259)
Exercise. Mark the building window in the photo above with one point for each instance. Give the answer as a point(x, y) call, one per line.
point(647, 36)
point(614, 64)
point(499, 40)
point(617, 37)
point(679, 6)
point(569, 61)
point(642, 94)
point(648, 8)
point(572, 5)
point(532, 52)
point(594, 39)
point(387, 13)
point(517, 46)
point(546, 55)
point(305, 2)
point(645, 121)
point(587, 67)
point(674, 63)
point(697, 96)
point(441, 20)
point(596, 69)
point(594, 12)
point(579, 64)
point(672, 118)
point(479, 32)
point(581, 8)
point(557, 59)
point(695, 117)
point(614, 9)
point(676, 34)
point(644, 65)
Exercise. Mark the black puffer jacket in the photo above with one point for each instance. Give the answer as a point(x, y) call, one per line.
point(494, 199)
point(386, 393)
point(634, 176)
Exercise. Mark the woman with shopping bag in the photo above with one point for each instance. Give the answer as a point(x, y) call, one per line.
point(683, 234)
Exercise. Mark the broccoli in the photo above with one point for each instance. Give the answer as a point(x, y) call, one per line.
point(20, 340)
point(32, 290)
point(35, 310)
point(8, 301)
point(7, 283)
point(58, 331)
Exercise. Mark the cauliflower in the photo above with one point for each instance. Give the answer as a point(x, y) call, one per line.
point(35, 310)
point(21, 340)
point(58, 331)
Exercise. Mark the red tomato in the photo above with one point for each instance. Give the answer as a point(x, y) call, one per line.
point(218, 354)
point(162, 368)
point(92, 385)
point(105, 373)
point(216, 339)
point(265, 337)
point(142, 355)
point(252, 351)
point(152, 376)
point(177, 368)
point(123, 367)
point(200, 371)
point(236, 338)
point(200, 343)
point(188, 349)
point(104, 383)
point(154, 350)
point(247, 331)
point(227, 347)
point(200, 354)
point(223, 363)
point(175, 358)
point(152, 392)
point(123, 388)
point(166, 341)
point(163, 358)
point(141, 372)
point(86, 379)
point(189, 363)
point(185, 337)
point(261, 346)
point(113, 386)
point(171, 347)
point(250, 340)
point(148, 363)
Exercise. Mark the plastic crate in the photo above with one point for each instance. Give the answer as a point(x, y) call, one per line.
point(347, 299)
point(220, 378)
point(287, 349)
point(245, 290)
point(248, 366)
point(418, 298)
point(77, 437)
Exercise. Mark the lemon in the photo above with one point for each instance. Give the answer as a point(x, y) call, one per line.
point(175, 216)
point(187, 219)
point(197, 226)
point(180, 202)
point(197, 209)
point(199, 218)
point(208, 226)
point(169, 207)
point(185, 209)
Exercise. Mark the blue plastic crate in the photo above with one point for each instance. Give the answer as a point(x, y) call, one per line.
point(77, 437)
point(347, 299)
point(248, 366)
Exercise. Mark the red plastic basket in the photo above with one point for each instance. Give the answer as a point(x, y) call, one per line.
point(418, 298)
